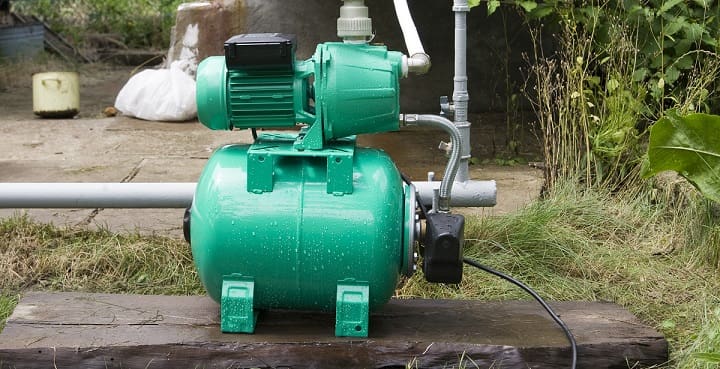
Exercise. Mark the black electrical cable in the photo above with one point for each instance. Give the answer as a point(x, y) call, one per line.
point(405, 178)
point(553, 315)
point(254, 133)
point(423, 209)
point(566, 330)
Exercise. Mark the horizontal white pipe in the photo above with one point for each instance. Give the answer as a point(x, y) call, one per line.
point(180, 195)
point(96, 195)
point(464, 194)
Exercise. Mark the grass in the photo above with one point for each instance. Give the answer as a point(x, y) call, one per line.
point(632, 249)
point(44, 257)
point(636, 249)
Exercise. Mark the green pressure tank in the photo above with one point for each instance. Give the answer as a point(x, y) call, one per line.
point(298, 244)
point(302, 220)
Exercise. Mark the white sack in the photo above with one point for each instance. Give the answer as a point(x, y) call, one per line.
point(159, 94)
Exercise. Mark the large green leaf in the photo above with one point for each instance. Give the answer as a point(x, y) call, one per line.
point(492, 5)
point(528, 6)
point(689, 145)
point(667, 5)
point(541, 11)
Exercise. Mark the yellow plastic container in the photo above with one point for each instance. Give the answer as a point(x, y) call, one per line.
point(56, 94)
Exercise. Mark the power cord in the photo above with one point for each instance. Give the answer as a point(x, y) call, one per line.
point(566, 330)
point(553, 315)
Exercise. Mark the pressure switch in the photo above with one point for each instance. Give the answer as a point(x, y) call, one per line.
point(442, 257)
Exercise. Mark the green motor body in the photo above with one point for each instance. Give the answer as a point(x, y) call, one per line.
point(343, 90)
point(307, 220)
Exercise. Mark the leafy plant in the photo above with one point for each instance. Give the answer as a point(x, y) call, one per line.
point(689, 145)
point(673, 36)
point(619, 65)
point(588, 106)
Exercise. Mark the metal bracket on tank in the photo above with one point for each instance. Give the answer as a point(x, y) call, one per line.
point(352, 309)
point(236, 304)
point(269, 146)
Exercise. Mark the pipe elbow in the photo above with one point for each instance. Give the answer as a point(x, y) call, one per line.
point(418, 63)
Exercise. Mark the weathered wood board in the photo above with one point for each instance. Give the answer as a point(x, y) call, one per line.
point(79, 330)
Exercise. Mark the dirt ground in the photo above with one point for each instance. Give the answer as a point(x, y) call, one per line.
point(94, 148)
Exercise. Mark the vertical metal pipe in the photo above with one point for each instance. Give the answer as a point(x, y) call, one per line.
point(460, 81)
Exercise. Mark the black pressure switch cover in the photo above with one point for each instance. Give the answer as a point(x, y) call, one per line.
point(260, 50)
point(442, 259)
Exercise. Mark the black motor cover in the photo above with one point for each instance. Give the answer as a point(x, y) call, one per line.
point(260, 51)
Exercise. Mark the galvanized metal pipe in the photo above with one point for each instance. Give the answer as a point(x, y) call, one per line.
point(464, 194)
point(96, 195)
point(460, 96)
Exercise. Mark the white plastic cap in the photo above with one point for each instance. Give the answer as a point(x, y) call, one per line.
point(354, 22)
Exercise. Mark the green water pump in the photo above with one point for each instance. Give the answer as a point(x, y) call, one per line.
point(343, 90)
point(307, 220)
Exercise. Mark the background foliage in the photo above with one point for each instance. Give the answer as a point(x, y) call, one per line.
point(138, 23)
point(618, 66)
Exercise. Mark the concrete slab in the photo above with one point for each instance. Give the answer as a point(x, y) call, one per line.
point(167, 222)
point(115, 149)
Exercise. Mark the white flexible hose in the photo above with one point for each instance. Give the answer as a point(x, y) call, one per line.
point(412, 39)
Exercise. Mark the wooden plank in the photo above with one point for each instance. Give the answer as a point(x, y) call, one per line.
point(67, 330)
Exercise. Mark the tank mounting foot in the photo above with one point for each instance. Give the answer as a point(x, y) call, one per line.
point(236, 304)
point(352, 309)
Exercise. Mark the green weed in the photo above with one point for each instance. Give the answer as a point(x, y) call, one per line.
point(7, 304)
